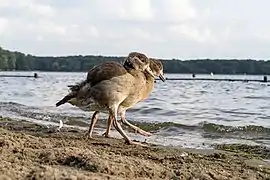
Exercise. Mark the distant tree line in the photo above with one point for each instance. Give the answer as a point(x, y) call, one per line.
point(19, 61)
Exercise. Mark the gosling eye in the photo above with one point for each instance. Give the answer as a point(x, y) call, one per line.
point(143, 60)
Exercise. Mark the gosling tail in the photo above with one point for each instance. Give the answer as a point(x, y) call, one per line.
point(74, 92)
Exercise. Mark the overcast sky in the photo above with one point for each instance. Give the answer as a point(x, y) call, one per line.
point(183, 29)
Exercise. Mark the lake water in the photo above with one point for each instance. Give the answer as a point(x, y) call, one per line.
point(180, 113)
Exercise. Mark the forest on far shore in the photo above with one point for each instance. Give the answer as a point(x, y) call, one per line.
point(10, 60)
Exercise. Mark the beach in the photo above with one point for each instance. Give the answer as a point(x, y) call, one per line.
point(32, 151)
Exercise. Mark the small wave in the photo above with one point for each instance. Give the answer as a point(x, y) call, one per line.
point(212, 127)
point(169, 113)
point(157, 126)
point(20, 110)
point(257, 97)
point(10, 104)
point(149, 110)
point(239, 111)
point(251, 131)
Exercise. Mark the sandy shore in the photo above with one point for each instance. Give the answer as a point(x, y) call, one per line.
point(31, 151)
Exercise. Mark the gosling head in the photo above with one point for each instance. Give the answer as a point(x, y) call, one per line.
point(139, 62)
point(157, 68)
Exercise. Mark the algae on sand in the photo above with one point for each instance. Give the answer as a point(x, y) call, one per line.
point(262, 152)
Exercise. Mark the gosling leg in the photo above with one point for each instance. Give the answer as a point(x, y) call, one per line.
point(108, 128)
point(92, 124)
point(135, 128)
point(121, 131)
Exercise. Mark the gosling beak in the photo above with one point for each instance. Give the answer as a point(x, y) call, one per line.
point(162, 77)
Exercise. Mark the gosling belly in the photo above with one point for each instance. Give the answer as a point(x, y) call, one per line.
point(89, 105)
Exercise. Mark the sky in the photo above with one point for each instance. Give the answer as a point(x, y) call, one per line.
point(181, 29)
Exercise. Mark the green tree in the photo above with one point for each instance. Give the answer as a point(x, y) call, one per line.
point(11, 61)
point(20, 61)
point(3, 62)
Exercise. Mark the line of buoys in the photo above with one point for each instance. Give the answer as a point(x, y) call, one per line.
point(34, 76)
point(217, 79)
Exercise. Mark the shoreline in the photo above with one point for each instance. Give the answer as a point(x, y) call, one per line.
point(32, 151)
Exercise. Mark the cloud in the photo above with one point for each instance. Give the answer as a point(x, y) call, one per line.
point(160, 28)
point(136, 10)
point(3, 25)
point(192, 33)
point(40, 9)
point(139, 33)
point(29, 7)
point(175, 10)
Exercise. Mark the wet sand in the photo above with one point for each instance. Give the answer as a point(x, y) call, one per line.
point(31, 151)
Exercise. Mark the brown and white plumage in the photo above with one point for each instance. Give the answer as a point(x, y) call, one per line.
point(109, 88)
point(107, 71)
point(142, 92)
